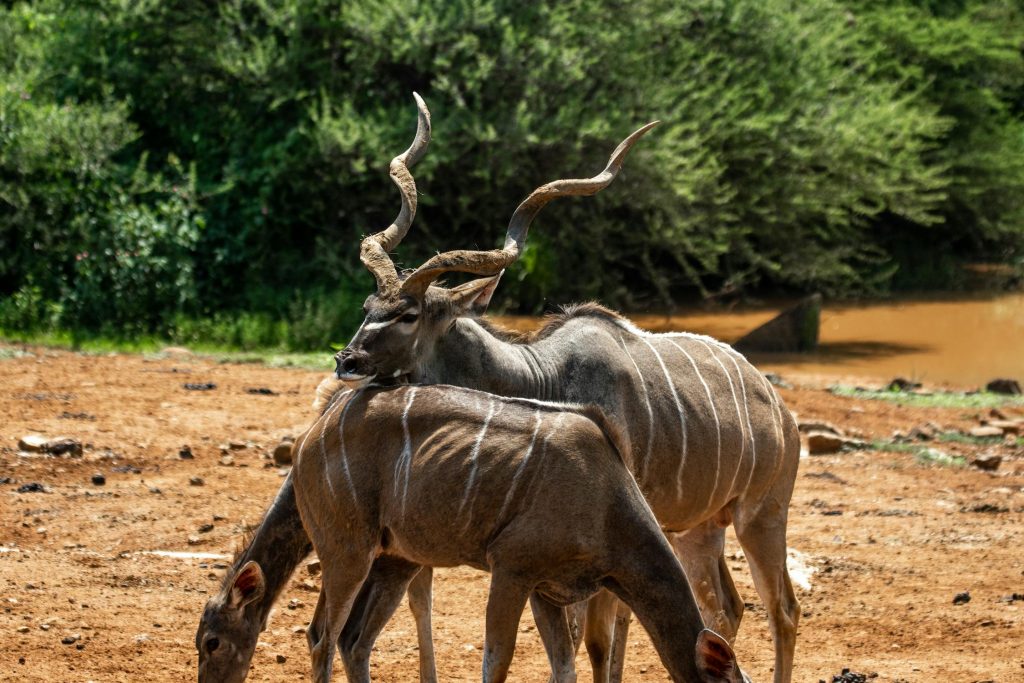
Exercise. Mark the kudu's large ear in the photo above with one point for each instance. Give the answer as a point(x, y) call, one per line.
point(474, 296)
point(716, 661)
point(247, 586)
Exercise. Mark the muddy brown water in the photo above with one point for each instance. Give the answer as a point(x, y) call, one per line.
point(962, 342)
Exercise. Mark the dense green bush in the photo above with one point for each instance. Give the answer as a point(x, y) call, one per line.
point(219, 162)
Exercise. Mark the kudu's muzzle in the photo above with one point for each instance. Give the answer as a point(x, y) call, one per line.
point(352, 365)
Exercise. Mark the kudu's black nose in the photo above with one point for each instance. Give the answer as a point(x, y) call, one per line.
point(345, 364)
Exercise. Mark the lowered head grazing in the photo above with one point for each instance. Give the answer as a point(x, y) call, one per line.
point(226, 639)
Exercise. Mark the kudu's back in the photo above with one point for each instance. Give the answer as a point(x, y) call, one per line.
point(440, 472)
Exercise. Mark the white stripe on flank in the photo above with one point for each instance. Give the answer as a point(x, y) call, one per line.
point(650, 411)
point(750, 428)
point(714, 413)
point(301, 445)
point(682, 417)
point(475, 454)
point(739, 415)
point(522, 465)
point(542, 404)
point(323, 449)
point(776, 406)
point(344, 453)
point(404, 463)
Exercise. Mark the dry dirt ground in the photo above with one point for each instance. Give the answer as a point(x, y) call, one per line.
point(888, 541)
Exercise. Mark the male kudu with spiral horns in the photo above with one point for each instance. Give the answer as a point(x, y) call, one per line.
point(705, 435)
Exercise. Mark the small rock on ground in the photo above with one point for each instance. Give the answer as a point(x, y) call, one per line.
point(283, 453)
point(32, 443)
point(1003, 386)
point(809, 426)
point(819, 442)
point(61, 445)
point(902, 384)
point(988, 463)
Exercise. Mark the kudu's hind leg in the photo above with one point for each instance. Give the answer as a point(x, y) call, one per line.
point(764, 541)
point(420, 603)
point(555, 631)
point(623, 615)
point(607, 629)
point(701, 551)
point(599, 633)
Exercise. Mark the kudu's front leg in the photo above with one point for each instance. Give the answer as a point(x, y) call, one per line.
point(379, 597)
point(343, 575)
point(505, 603)
point(421, 602)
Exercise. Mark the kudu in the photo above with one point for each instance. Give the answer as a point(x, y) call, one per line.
point(533, 492)
point(707, 438)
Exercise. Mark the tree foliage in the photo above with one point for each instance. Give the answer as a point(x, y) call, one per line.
point(168, 160)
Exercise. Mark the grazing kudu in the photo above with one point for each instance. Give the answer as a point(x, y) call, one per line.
point(233, 618)
point(533, 492)
point(706, 436)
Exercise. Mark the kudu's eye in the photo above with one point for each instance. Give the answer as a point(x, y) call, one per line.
point(409, 318)
point(212, 644)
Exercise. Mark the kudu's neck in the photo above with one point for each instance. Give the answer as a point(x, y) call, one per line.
point(469, 355)
point(279, 545)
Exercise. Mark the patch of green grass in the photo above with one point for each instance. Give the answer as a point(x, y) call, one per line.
point(931, 456)
point(151, 347)
point(320, 360)
point(957, 437)
point(938, 399)
point(9, 352)
point(924, 455)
